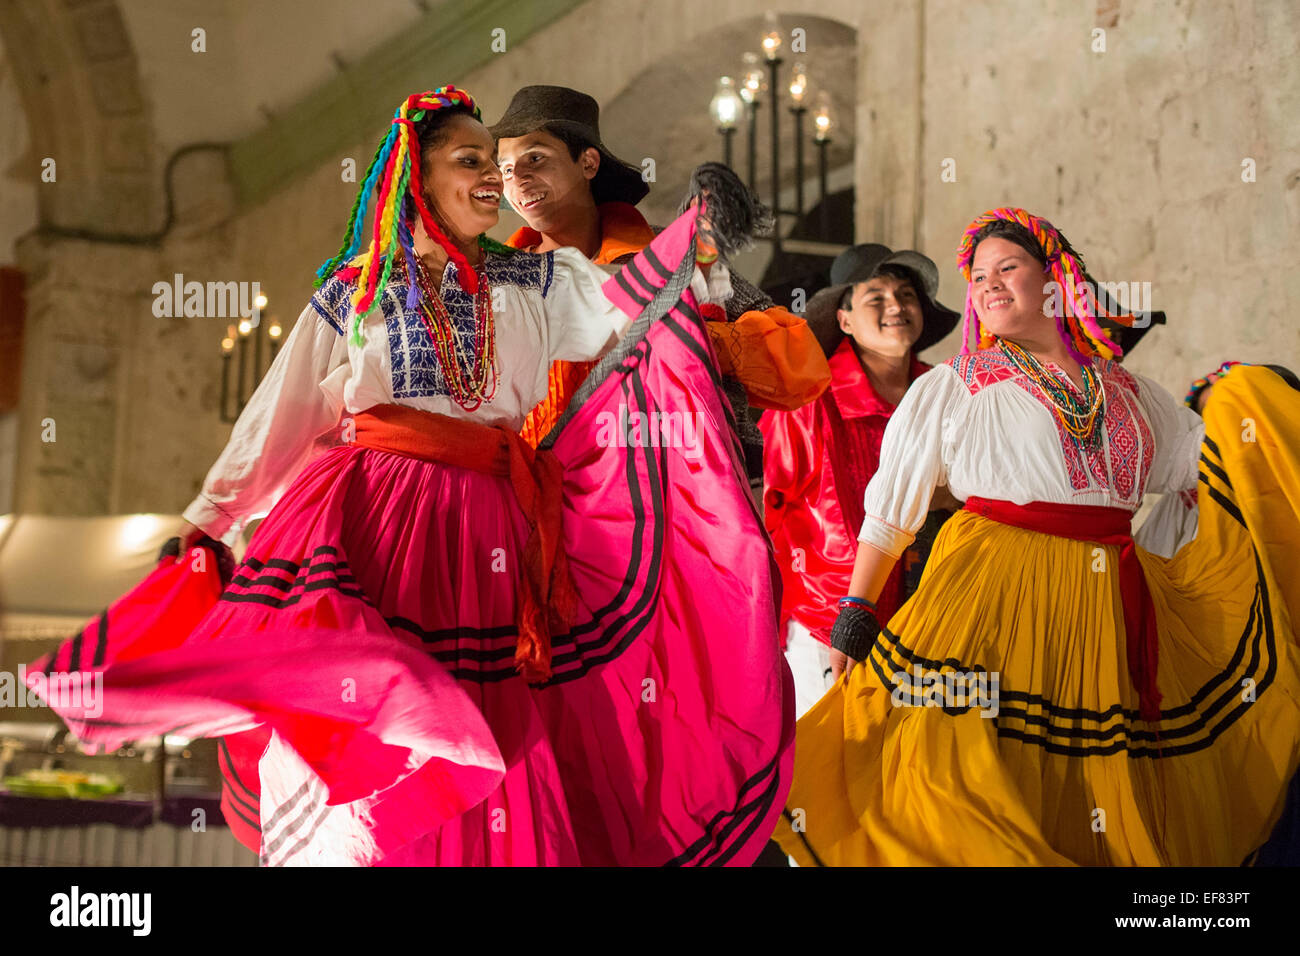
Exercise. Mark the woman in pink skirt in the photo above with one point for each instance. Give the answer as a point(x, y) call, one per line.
point(442, 646)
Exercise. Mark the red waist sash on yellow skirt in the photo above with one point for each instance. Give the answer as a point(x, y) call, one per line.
point(547, 596)
point(1102, 526)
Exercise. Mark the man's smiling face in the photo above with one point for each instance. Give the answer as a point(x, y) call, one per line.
point(542, 179)
point(884, 316)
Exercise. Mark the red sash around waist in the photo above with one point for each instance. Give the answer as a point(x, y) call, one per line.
point(536, 477)
point(1103, 526)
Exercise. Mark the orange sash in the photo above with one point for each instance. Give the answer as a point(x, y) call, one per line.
point(548, 599)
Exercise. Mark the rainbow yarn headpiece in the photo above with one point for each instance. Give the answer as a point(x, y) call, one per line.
point(1076, 323)
point(395, 169)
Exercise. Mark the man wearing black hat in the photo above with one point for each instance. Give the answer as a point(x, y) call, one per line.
point(878, 312)
point(572, 191)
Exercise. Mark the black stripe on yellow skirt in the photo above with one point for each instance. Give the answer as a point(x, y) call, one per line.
point(1100, 739)
point(1213, 458)
point(1251, 633)
point(1222, 499)
point(1256, 629)
point(1226, 496)
point(1216, 470)
point(803, 838)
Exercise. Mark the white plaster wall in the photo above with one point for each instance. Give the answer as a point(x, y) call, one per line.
point(285, 239)
point(1135, 154)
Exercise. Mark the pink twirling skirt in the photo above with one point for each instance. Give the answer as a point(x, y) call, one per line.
point(364, 653)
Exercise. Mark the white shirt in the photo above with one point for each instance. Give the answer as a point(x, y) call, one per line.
point(1171, 524)
point(977, 425)
point(545, 306)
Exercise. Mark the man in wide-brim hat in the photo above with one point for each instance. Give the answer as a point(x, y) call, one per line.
point(878, 312)
point(573, 191)
point(862, 263)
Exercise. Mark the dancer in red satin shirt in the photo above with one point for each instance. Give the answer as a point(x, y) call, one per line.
point(880, 309)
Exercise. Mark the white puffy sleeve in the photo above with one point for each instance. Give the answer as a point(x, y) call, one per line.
point(274, 435)
point(912, 462)
point(582, 323)
point(1177, 432)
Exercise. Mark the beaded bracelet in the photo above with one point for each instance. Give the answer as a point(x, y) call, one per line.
point(850, 601)
point(1201, 384)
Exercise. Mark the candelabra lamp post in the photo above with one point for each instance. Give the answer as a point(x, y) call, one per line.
point(822, 123)
point(771, 50)
point(759, 76)
point(725, 107)
point(751, 91)
point(242, 346)
point(798, 89)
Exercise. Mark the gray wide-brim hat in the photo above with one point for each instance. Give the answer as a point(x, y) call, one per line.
point(863, 262)
point(533, 107)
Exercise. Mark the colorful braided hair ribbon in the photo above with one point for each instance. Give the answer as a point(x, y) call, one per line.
point(1076, 323)
point(394, 171)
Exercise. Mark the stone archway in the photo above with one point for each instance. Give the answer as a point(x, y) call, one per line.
point(77, 75)
point(662, 112)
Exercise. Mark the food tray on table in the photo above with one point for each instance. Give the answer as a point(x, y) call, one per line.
point(62, 784)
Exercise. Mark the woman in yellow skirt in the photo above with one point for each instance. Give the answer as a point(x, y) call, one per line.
point(1053, 695)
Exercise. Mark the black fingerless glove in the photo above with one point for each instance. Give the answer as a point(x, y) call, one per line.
point(855, 631)
point(225, 557)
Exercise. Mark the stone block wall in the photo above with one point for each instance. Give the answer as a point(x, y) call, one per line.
point(1135, 152)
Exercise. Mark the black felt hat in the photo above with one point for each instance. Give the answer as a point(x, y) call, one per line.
point(862, 262)
point(533, 107)
point(1124, 334)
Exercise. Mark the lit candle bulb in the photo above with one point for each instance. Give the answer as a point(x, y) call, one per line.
point(822, 118)
point(772, 37)
point(725, 105)
point(754, 83)
point(798, 84)
point(274, 332)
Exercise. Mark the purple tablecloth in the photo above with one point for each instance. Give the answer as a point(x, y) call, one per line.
point(23, 812)
point(19, 812)
point(179, 810)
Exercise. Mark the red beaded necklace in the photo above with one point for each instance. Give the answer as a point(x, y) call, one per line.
point(471, 378)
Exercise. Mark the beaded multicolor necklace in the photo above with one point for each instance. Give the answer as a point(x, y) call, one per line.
point(471, 378)
point(1081, 417)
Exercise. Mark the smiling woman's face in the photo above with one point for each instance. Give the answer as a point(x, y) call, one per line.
point(1007, 290)
point(884, 316)
point(461, 181)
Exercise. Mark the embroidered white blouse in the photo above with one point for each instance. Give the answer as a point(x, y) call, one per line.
point(979, 426)
point(546, 306)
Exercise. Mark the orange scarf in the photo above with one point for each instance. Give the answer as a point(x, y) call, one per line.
point(548, 600)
